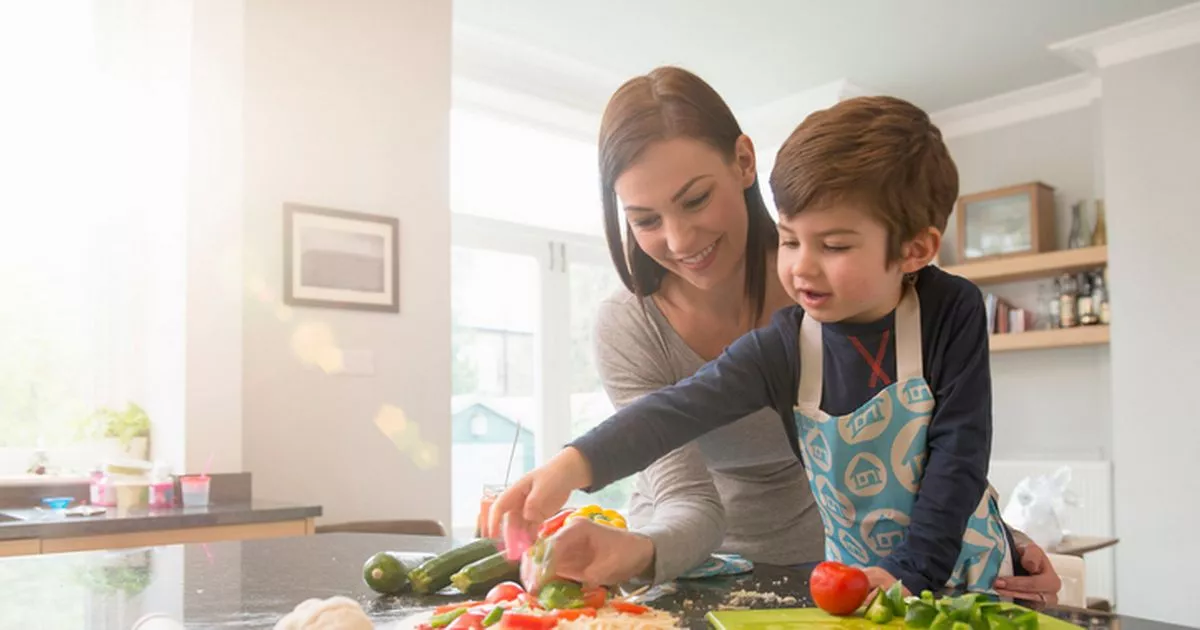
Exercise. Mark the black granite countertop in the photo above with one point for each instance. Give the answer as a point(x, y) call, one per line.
point(251, 584)
point(40, 523)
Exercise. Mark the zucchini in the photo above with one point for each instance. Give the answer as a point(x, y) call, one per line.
point(434, 574)
point(481, 575)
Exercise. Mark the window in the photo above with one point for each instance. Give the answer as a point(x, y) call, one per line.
point(529, 269)
point(95, 162)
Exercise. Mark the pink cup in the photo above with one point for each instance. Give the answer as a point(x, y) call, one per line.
point(194, 490)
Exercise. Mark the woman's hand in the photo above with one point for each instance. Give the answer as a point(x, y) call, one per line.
point(1041, 585)
point(600, 555)
point(539, 494)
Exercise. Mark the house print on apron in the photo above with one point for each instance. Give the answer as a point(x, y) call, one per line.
point(865, 467)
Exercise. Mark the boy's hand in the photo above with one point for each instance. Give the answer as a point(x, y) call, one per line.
point(881, 579)
point(540, 493)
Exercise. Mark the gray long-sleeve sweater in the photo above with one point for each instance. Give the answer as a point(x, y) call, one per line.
point(739, 489)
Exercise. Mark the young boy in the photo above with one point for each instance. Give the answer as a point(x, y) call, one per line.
point(880, 372)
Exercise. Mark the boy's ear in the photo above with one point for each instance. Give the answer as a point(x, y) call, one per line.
point(918, 252)
point(743, 156)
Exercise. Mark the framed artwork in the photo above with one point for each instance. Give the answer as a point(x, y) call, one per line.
point(1005, 222)
point(340, 259)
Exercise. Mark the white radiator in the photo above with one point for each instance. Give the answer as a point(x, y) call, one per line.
point(1091, 481)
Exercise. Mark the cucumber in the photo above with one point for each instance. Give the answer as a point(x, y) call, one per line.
point(385, 573)
point(434, 574)
point(481, 575)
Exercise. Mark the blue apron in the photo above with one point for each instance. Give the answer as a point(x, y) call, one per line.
point(865, 467)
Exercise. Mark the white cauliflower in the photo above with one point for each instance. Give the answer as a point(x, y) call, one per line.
point(335, 613)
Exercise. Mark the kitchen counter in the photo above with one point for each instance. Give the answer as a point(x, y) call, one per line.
point(34, 523)
point(251, 584)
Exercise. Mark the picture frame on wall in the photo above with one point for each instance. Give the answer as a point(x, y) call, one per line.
point(1011, 221)
point(340, 259)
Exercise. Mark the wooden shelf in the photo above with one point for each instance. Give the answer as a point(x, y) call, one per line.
point(1058, 338)
point(1032, 265)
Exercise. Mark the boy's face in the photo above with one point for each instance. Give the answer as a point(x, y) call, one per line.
point(833, 262)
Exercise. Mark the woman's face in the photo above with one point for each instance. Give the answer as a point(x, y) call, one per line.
point(686, 206)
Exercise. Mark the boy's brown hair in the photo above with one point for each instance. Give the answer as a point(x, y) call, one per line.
point(880, 151)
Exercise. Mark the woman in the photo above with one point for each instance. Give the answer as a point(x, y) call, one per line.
point(697, 257)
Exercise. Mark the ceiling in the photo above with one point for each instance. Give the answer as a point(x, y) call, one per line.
point(936, 53)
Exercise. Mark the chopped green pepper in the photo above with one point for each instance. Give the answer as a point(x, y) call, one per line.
point(941, 622)
point(1026, 621)
point(560, 594)
point(959, 625)
point(999, 622)
point(493, 617)
point(447, 618)
point(920, 614)
point(927, 596)
point(895, 595)
point(880, 610)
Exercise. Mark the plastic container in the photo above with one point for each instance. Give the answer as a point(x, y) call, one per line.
point(132, 495)
point(57, 503)
point(194, 490)
point(162, 487)
point(102, 492)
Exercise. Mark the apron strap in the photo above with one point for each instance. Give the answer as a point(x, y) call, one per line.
point(909, 361)
point(812, 359)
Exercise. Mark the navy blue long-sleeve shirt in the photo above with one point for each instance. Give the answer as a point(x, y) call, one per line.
point(762, 368)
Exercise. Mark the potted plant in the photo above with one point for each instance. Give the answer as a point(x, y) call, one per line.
point(127, 429)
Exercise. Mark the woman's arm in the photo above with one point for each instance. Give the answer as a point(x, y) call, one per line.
point(687, 521)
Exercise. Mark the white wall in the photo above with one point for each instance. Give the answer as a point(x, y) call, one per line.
point(1054, 403)
point(213, 426)
point(348, 108)
point(1151, 133)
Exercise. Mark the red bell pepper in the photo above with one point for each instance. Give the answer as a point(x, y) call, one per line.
point(554, 523)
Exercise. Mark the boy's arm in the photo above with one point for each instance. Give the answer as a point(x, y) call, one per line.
point(752, 373)
point(687, 519)
point(959, 443)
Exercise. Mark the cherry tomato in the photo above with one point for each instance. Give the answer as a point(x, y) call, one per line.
point(504, 592)
point(838, 589)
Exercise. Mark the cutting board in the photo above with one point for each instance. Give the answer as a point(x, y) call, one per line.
point(813, 618)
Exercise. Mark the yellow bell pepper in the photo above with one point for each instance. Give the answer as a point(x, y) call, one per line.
point(612, 518)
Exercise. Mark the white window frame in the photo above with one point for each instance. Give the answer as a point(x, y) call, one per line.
point(554, 251)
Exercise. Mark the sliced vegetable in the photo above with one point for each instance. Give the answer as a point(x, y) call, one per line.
point(920, 614)
point(880, 610)
point(628, 608)
point(595, 597)
point(941, 622)
point(895, 595)
point(481, 575)
point(529, 620)
point(558, 594)
point(600, 515)
point(467, 621)
point(434, 574)
point(444, 619)
point(455, 606)
point(504, 592)
point(554, 523)
point(493, 617)
point(574, 613)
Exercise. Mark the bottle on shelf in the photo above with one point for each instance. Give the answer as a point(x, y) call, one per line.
point(1048, 307)
point(1100, 230)
point(1085, 308)
point(1076, 238)
point(1100, 296)
point(1068, 294)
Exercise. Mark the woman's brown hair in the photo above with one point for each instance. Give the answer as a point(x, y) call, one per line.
point(669, 103)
